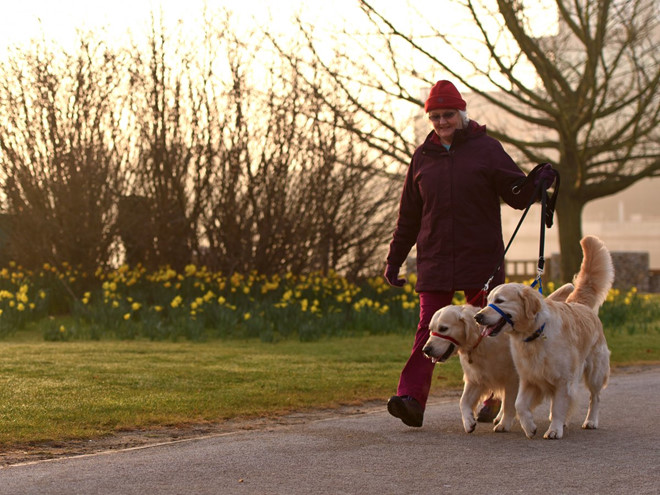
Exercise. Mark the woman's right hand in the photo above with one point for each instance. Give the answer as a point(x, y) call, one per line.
point(392, 276)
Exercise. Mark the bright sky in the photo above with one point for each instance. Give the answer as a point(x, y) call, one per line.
point(58, 20)
point(22, 20)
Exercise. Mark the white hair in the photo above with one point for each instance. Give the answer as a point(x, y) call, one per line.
point(464, 118)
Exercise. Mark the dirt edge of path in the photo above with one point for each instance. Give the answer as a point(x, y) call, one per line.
point(144, 437)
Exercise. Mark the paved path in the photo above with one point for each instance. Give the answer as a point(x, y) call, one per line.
point(372, 453)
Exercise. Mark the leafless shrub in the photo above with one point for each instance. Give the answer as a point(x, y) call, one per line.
point(185, 152)
point(61, 150)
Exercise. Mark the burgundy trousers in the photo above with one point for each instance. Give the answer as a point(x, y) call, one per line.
point(417, 374)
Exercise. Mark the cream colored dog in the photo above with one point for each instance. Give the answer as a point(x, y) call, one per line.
point(487, 364)
point(556, 344)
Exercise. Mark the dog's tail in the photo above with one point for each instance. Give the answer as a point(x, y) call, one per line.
point(594, 280)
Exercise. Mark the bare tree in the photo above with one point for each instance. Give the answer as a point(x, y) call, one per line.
point(590, 107)
point(284, 199)
point(61, 151)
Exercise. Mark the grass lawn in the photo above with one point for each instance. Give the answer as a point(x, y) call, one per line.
point(55, 390)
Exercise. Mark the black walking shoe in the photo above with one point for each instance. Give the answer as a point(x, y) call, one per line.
point(406, 409)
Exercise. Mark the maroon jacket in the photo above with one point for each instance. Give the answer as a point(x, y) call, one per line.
point(450, 208)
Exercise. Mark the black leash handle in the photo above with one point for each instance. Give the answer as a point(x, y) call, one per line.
point(547, 214)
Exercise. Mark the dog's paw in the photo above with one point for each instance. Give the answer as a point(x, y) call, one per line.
point(500, 428)
point(528, 427)
point(469, 424)
point(590, 425)
point(553, 434)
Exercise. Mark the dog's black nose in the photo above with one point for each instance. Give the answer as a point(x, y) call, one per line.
point(427, 349)
point(480, 318)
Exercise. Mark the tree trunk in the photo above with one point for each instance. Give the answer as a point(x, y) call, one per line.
point(569, 222)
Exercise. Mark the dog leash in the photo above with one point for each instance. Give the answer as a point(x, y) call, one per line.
point(547, 215)
point(541, 262)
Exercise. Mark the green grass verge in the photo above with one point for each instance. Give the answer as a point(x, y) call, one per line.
point(52, 391)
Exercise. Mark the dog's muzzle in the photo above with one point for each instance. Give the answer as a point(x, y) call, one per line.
point(441, 359)
point(450, 350)
point(493, 330)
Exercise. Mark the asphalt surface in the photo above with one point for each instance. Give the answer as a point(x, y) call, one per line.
point(373, 453)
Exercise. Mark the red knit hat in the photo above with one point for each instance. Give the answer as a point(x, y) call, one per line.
point(444, 95)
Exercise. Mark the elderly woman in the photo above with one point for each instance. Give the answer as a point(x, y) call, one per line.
point(450, 208)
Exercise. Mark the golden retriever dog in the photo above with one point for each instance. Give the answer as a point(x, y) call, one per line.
point(555, 344)
point(487, 364)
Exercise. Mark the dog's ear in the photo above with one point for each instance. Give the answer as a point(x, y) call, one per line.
point(467, 317)
point(433, 324)
point(531, 300)
point(464, 317)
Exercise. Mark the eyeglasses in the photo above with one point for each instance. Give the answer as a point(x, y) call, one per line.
point(444, 115)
